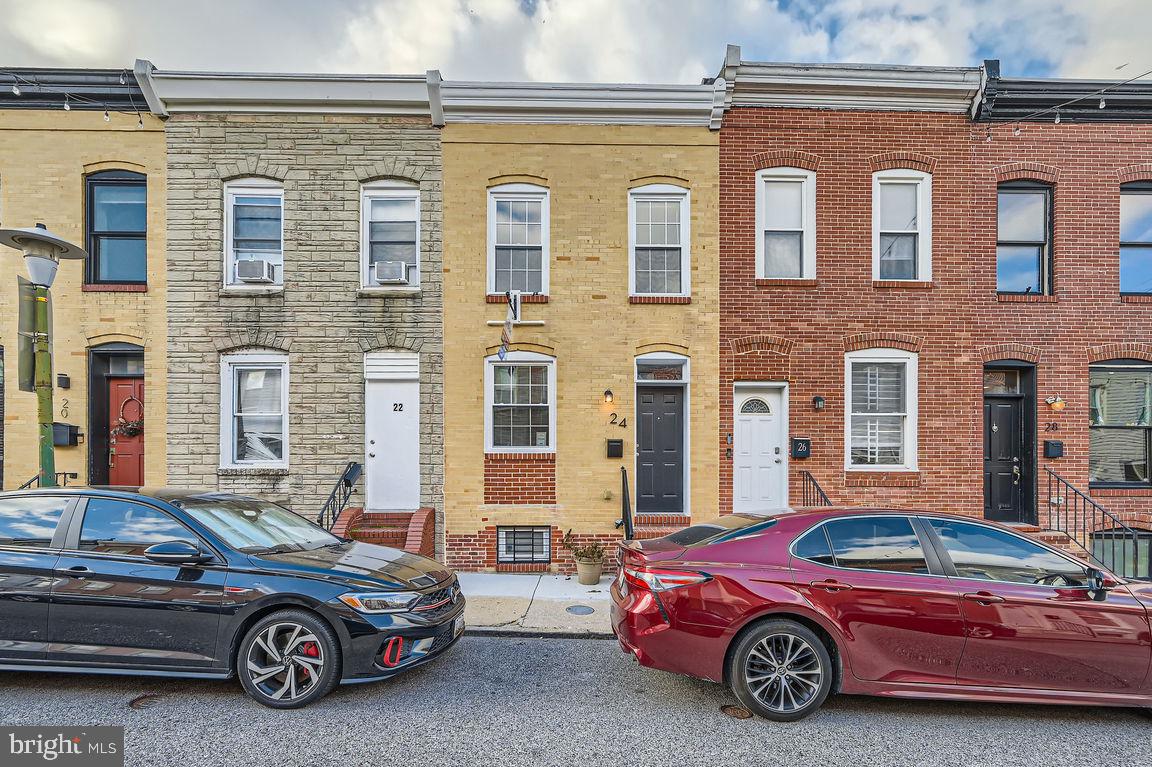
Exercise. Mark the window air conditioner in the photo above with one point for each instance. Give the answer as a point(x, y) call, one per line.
point(390, 272)
point(255, 270)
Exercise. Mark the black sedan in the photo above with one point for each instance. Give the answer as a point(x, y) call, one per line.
point(206, 584)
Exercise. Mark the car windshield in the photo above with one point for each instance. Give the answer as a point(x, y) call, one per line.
point(255, 526)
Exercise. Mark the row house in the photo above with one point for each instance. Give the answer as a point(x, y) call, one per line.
point(81, 154)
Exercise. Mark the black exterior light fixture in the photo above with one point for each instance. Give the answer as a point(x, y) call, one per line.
point(817, 403)
point(608, 395)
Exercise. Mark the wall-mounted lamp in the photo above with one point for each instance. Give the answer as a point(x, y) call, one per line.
point(817, 403)
point(607, 395)
point(1056, 403)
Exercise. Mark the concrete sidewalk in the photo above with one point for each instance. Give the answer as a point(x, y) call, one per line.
point(536, 605)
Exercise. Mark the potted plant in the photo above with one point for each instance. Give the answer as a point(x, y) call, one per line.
point(589, 559)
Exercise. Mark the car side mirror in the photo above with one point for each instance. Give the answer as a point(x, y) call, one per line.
point(1099, 583)
point(176, 553)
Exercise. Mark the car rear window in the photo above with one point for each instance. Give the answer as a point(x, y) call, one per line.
point(726, 528)
point(30, 521)
point(814, 547)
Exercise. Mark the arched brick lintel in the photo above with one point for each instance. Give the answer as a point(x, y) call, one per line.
point(786, 158)
point(762, 343)
point(1120, 351)
point(903, 341)
point(895, 160)
point(1010, 351)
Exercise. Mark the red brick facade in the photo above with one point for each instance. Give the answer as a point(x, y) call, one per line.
point(799, 331)
point(520, 478)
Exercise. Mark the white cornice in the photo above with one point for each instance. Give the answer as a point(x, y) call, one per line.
point(582, 103)
point(248, 92)
point(850, 86)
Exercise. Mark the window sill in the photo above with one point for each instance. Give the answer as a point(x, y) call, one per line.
point(113, 287)
point(383, 291)
point(530, 298)
point(1025, 298)
point(252, 471)
point(543, 456)
point(251, 290)
point(786, 282)
point(523, 567)
point(659, 299)
point(888, 478)
point(904, 284)
point(1120, 492)
point(1136, 298)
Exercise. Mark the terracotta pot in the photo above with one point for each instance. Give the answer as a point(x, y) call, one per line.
point(588, 571)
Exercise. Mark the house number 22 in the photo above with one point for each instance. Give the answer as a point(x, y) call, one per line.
point(397, 407)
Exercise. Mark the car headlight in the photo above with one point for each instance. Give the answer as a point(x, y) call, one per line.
point(382, 602)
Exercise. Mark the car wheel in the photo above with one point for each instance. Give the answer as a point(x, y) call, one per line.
point(289, 659)
point(780, 670)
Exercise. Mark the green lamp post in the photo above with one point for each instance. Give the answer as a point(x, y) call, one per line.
point(42, 254)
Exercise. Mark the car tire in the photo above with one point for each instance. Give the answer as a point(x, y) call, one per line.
point(780, 670)
point(289, 659)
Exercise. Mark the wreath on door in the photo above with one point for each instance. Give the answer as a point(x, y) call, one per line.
point(126, 427)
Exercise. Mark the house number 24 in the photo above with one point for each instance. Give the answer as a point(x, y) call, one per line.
point(618, 421)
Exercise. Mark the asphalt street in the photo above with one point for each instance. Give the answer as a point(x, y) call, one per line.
point(543, 702)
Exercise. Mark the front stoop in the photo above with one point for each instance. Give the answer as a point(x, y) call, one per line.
point(411, 531)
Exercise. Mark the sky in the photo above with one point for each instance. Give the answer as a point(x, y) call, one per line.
point(576, 40)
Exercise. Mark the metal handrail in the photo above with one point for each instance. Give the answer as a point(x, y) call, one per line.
point(625, 520)
point(1083, 518)
point(810, 491)
point(340, 495)
point(62, 478)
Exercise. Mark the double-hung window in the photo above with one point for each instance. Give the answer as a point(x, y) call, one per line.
point(117, 204)
point(518, 239)
point(1136, 238)
point(1120, 423)
point(521, 403)
point(254, 408)
point(786, 224)
point(902, 225)
point(1023, 237)
point(390, 213)
point(659, 241)
point(253, 233)
point(880, 433)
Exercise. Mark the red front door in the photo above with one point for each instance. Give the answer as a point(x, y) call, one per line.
point(125, 452)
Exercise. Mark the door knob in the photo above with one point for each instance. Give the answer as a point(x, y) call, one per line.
point(371, 455)
point(778, 461)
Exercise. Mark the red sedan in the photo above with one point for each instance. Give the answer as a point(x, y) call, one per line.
point(791, 608)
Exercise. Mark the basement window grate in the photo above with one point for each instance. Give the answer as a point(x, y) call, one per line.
point(519, 545)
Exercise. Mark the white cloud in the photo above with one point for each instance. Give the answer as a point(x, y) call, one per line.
point(83, 32)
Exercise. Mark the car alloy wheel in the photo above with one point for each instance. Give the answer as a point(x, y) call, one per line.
point(784, 673)
point(289, 659)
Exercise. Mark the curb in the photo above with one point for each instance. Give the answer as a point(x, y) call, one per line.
point(536, 633)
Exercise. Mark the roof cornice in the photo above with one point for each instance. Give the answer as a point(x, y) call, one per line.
point(251, 92)
point(583, 103)
point(849, 86)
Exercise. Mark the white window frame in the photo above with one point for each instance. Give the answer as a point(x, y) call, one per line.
point(387, 190)
point(229, 364)
point(519, 358)
point(923, 182)
point(530, 192)
point(662, 192)
point(807, 179)
point(911, 406)
point(255, 187)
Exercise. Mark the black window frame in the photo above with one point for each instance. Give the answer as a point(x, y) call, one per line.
point(92, 182)
point(532, 558)
point(1120, 364)
point(1047, 264)
point(1136, 187)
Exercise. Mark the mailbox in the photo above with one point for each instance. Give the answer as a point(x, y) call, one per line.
point(801, 447)
point(65, 435)
point(1053, 448)
point(615, 448)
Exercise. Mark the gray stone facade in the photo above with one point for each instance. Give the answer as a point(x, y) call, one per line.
point(320, 319)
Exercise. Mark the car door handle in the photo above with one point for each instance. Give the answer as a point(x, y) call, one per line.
point(983, 598)
point(76, 571)
point(830, 585)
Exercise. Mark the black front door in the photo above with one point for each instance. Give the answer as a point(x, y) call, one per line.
point(660, 450)
point(1004, 460)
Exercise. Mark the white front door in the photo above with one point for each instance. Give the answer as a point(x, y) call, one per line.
point(760, 456)
point(392, 431)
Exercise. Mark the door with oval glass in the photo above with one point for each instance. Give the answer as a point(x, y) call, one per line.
point(759, 454)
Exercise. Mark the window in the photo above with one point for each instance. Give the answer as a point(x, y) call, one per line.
point(521, 410)
point(1136, 238)
point(117, 203)
point(658, 217)
point(876, 543)
point(901, 225)
point(1120, 421)
point(30, 521)
point(1001, 381)
point(814, 547)
point(518, 238)
point(253, 231)
point(112, 526)
point(1124, 554)
point(516, 545)
point(786, 223)
point(254, 398)
point(987, 554)
point(1023, 237)
point(390, 215)
point(881, 406)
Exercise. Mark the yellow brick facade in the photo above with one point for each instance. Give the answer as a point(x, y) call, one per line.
point(44, 158)
point(591, 328)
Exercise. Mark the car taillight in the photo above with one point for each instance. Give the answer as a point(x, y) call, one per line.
point(659, 579)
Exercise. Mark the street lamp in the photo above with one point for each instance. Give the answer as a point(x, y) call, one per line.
point(42, 253)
